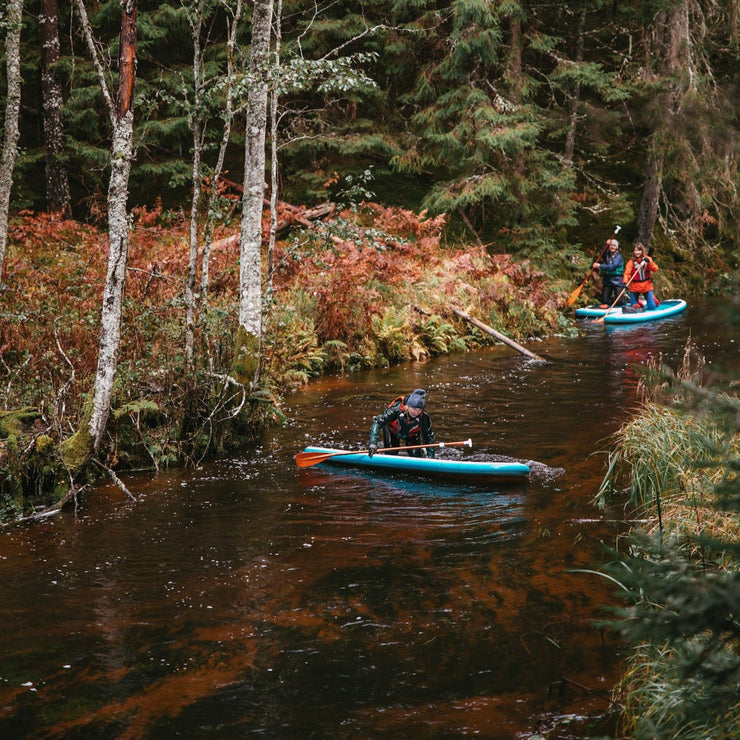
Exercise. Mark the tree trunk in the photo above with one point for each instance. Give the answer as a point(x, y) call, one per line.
point(650, 197)
point(515, 58)
point(213, 194)
point(14, 13)
point(58, 199)
point(274, 149)
point(574, 99)
point(247, 355)
point(121, 153)
point(196, 22)
point(78, 448)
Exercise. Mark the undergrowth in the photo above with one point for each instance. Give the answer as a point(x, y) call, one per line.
point(369, 287)
point(678, 460)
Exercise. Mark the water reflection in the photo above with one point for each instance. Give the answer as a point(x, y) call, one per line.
point(252, 598)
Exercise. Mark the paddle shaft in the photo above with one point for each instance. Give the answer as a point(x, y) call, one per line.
point(307, 459)
point(573, 297)
point(601, 318)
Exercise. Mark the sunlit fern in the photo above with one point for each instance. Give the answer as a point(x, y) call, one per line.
point(393, 334)
point(440, 337)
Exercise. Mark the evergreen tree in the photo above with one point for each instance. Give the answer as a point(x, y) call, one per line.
point(684, 107)
point(478, 128)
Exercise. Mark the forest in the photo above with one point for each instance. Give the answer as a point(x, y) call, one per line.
point(519, 133)
point(204, 204)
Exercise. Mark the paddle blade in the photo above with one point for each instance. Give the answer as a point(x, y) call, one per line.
point(307, 459)
point(573, 297)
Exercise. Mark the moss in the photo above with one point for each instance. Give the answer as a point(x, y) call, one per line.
point(44, 445)
point(246, 358)
point(16, 422)
point(77, 449)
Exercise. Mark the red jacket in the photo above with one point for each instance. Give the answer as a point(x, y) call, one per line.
point(642, 282)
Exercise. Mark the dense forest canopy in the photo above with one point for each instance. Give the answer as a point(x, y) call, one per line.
point(526, 122)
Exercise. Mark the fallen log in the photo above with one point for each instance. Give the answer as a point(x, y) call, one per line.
point(289, 216)
point(501, 337)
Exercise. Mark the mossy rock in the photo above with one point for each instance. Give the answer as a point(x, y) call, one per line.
point(17, 422)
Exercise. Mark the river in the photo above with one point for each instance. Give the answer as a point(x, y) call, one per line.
point(248, 598)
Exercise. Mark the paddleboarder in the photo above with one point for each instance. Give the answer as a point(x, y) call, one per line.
point(612, 271)
point(404, 422)
point(637, 275)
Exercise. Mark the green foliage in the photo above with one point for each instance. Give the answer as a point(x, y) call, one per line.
point(327, 76)
point(681, 577)
point(393, 334)
point(135, 408)
point(292, 354)
point(440, 337)
point(461, 107)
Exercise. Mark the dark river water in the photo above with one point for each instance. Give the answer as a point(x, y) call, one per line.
point(249, 598)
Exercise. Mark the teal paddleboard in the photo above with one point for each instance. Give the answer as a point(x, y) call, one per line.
point(617, 316)
point(461, 470)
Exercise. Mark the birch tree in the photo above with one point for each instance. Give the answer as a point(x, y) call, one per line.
point(228, 117)
point(274, 97)
point(87, 439)
point(58, 198)
point(13, 22)
point(195, 19)
point(247, 355)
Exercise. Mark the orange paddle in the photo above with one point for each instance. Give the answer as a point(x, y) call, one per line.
point(601, 318)
point(307, 459)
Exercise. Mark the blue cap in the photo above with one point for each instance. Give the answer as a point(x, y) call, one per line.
point(417, 398)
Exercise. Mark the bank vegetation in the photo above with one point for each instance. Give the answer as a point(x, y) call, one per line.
point(366, 287)
point(678, 461)
point(149, 153)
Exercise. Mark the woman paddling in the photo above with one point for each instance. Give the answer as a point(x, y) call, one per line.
point(637, 275)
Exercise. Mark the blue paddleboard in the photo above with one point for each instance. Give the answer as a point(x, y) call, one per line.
point(617, 316)
point(428, 467)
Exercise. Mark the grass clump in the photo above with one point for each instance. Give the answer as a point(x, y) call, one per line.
point(679, 460)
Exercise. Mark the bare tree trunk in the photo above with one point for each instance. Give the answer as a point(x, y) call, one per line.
point(121, 153)
point(574, 99)
point(14, 12)
point(196, 22)
point(650, 197)
point(514, 67)
point(58, 198)
point(247, 355)
point(274, 149)
point(228, 116)
point(78, 448)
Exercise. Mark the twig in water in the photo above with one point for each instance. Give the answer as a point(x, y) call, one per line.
point(115, 479)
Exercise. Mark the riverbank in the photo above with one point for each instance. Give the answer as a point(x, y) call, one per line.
point(678, 460)
point(363, 289)
point(369, 287)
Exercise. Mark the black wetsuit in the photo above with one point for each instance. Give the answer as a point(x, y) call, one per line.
point(399, 428)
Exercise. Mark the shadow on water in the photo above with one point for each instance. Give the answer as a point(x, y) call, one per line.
point(251, 598)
